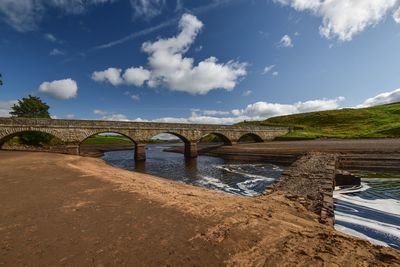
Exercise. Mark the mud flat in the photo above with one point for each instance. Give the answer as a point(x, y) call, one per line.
point(70, 210)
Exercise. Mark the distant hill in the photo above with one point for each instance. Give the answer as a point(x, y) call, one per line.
point(373, 122)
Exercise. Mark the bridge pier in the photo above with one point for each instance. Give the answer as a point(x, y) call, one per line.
point(191, 150)
point(140, 152)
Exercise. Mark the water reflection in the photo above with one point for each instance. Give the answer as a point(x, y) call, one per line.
point(140, 166)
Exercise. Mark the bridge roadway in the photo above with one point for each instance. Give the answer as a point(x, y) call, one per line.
point(73, 132)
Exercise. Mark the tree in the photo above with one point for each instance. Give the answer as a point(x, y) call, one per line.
point(32, 107)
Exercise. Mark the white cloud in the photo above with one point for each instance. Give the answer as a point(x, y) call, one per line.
point(5, 107)
point(24, 15)
point(56, 52)
point(260, 110)
point(136, 76)
point(247, 93)
point(70, 116)
point(396, 16)
point(110, 75)
point(147, 8)
point(199, 48)
point(266, 110)
point(110, 116)
point(50, 37)
point(100, 112)
point(115, 117)
point(169, 68)
point(135, 97)
point(202, 119)
point(286, 41)
point(343, 18)
point(131, 76)
point(256, 111)
point(132, 96)
point(213, 112)
point(268, 69)
point(381, 99)
point(61, 89)
point(21, 15)
point(275, 73)
point(319, 104)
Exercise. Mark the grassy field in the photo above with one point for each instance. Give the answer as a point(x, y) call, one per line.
point(373, 122)
point(107, 139)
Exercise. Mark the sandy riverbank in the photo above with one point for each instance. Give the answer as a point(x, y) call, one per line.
point(69, 210)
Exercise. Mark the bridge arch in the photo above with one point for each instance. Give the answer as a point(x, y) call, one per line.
point(221, 136)
point(250, 138)
point(92, 134)
point(189, 141)
point(180, 136)
point(88, 147)
point(8, 135)
point(184, 136)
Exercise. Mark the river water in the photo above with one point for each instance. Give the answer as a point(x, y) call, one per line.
point(235, 177)
point(371, 211)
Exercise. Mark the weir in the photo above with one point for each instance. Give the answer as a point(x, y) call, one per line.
point(311, 180)
point(73, 132)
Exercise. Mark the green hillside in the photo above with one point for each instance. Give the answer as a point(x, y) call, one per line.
point(373, 122)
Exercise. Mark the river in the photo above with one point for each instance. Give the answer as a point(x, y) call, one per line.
point(371, 211)
point(235, 177)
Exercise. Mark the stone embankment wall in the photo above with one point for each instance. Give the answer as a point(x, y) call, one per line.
point(311, 181)
point(379, 162)
point(61, 149)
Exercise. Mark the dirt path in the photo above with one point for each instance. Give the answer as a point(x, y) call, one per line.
point(74, 211)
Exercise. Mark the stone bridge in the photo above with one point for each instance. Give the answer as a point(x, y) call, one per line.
point(74, 132)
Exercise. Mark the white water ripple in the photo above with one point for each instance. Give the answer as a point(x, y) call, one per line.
point(368, 213)
point(353, 232)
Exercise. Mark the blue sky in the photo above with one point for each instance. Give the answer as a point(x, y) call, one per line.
point(215, 61)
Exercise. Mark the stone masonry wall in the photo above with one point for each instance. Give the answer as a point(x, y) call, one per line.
point(311, 181)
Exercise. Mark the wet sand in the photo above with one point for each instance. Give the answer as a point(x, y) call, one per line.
point(75, 211)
